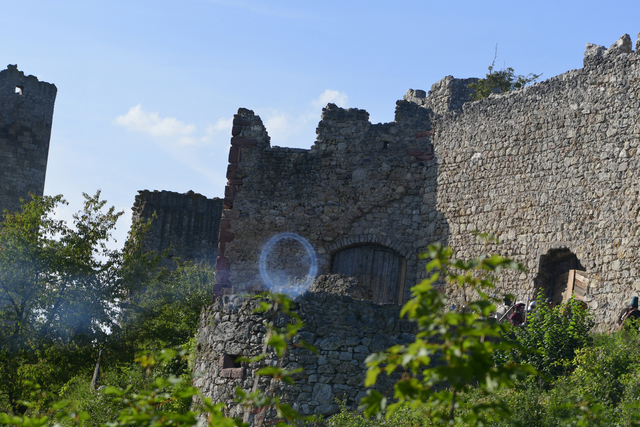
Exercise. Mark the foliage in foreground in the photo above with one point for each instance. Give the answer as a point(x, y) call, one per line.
point(600, 387)
point(449, 374)
point(453, 351)
point(165, 400)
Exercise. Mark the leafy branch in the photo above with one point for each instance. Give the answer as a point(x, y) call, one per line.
point(453, 351)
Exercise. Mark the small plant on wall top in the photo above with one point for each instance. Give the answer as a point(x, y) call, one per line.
point(500, 81)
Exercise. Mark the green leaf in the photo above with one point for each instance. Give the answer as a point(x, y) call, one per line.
point(372, 376)
point(374, 404)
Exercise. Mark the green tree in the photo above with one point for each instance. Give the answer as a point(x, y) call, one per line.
point(58, 284)
point(162, 313)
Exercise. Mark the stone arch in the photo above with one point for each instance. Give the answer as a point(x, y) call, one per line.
point(379, 268)
point(552, 268)
point(403, 249)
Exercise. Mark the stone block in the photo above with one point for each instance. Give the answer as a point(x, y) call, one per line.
point(322, 393)
point(239, 121)
point(235, 154)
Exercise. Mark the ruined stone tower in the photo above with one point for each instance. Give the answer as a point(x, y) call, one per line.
point(188, 223)
point(26, 114)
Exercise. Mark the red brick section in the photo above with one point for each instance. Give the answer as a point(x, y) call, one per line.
point(243, 142)
point(422, 154)
point(235, 154)
point(233, 182)
point(231, 171)
point(232, 373)
point(226, 236)
point(424, 134)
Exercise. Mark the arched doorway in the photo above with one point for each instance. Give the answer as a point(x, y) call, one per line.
point(560, 274)
point(377, 267)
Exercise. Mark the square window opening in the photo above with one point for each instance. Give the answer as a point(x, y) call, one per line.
point(231, 361)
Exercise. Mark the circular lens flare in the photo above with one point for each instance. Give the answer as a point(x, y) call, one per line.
point(287, 285)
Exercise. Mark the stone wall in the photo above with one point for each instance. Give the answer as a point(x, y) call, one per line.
point(359, 183)
point(188, 223)
point(26, 115)
point(550, 168)
point(343, 330)
point(449, 94)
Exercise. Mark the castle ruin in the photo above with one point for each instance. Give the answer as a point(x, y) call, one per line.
point(184, 224)
point(551, 169)
point(26, 115)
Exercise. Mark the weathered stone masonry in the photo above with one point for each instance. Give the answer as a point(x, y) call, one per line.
point(26, 115)
point(550, 167)
point(187, 223)
point(343, 330)
point(358, 184)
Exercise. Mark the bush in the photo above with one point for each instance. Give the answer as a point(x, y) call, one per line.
point(604, 371)
point(552, 336)
point(500, 81)
point(404, 417)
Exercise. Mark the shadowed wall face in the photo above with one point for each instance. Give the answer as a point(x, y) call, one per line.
point(343, 330)
point(26, 115)
point(187, 223)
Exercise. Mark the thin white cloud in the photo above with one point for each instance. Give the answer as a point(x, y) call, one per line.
point(290, 130)
point(280, 125)
point(166, 130)
point(151, 123)
point(223, 125)
point(181, 140)
point(219, 132)
point(331, 96)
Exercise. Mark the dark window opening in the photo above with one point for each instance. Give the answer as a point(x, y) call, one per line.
point(385, 144)
point(19, 90)
point(231, 367)
point(230, 361)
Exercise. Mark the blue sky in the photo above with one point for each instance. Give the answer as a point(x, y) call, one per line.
point(147, 89)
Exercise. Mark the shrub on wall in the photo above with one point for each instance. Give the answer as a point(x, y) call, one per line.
point(500, 81)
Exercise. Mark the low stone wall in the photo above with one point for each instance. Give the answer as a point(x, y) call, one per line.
point(343, 330)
